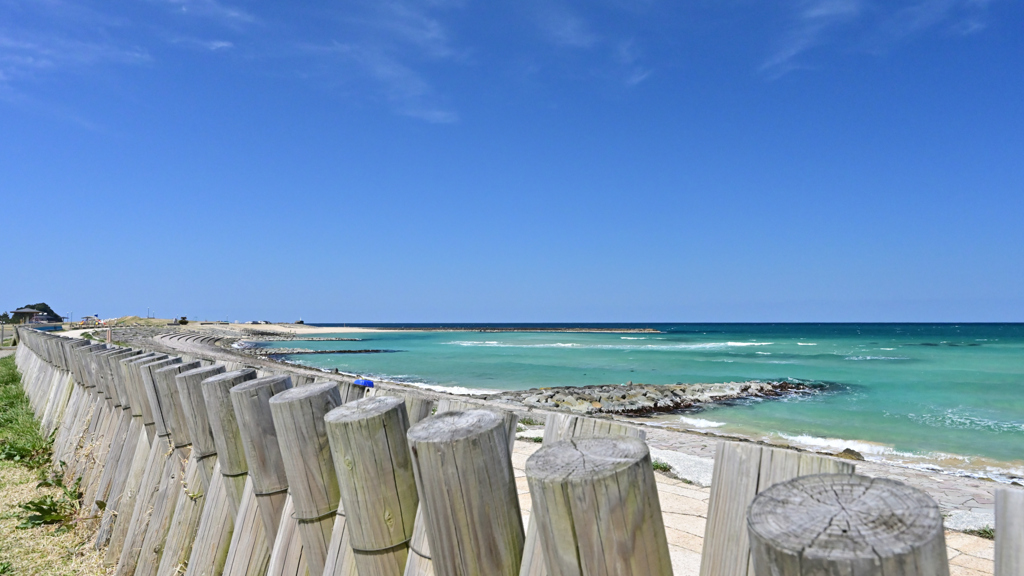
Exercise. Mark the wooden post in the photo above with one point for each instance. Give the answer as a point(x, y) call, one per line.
point(251, 401)
point(180, 469)
point(742, 470)
point(190, 390)
point(846, 524)
point(558, 428)
point(248, 549)
point(213, 533)
point(302, 436)
point(464, 477)
point(1009, 531)
point(420, 559)
point(378, 488)
point(417, 406)
point(226, 435)
point(595, 503)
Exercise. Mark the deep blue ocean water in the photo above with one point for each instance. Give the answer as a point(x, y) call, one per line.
point(951, 394)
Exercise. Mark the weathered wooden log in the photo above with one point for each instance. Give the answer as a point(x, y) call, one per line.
point(248, 551)
point(213, 536)
point(117, 472)
point(226, 435)
point(596, 507)
point(298, 416)
point(124, 492)
point(417, 406)
point(559, 428)
point(378, 488)
point(141, 484)
point(846, 524)
point(190, 391)
point(1009, 553)
point(251, 401)
point(142, 379)
point(288, 558)
point(190, 494)
point(464, 478)
point(420, 557)
point(742, 470)
point(158, 378)
point(159, 469)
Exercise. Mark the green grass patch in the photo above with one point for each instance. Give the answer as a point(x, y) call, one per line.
point(660, 466)
point(20, 439)
point(987, 533)
point(60, 508)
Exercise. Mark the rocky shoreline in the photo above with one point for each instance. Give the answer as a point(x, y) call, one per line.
point(643, 399)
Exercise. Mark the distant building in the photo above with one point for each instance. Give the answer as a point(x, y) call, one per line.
point(33, 316)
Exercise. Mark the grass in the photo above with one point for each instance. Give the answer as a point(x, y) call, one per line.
point(987, 533)
point(20, 439)
point(40, 532)
point(660, 465)
point(529, 422)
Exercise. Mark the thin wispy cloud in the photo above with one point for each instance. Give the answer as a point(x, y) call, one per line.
point(212, 9)
point(211, 45)
point(565, 28)
point(810, 24)
point(24, 54)
point(869, 26)
point(390, 44)
point(628, 56)
point(407, 91)
point(963, 17)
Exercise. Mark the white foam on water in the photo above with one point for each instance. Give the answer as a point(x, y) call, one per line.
point(806, 343)
point(633, 338)
point(628, 347)
point(700, 422)
point(959, 419)
point(457, 390)
point(876, 358)
point(839, 444)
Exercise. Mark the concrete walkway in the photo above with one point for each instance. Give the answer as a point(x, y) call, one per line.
point(684, 508)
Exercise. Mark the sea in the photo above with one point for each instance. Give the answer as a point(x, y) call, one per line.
point(934, 396)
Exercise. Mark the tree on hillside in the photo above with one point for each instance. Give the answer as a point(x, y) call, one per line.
point(43, 307)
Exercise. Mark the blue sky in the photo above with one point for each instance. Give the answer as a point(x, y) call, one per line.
point(404, 161)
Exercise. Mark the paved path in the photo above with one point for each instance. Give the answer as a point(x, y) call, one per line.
point(684, 508)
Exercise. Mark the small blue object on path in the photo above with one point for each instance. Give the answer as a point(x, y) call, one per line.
point(362, 382)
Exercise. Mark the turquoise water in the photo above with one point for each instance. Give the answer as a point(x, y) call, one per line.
point(902, 390)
